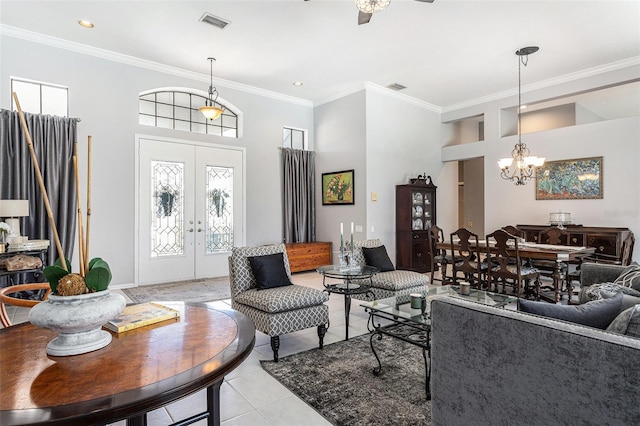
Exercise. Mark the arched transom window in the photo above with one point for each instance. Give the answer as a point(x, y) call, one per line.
point(178, 110)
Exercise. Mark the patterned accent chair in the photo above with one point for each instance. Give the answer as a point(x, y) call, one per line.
point(390, 283)
point(275, 311)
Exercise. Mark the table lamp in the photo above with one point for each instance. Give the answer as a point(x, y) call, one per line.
point(12, 210)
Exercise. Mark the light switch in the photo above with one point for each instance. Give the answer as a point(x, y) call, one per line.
point(374, 196)
point(358, 228)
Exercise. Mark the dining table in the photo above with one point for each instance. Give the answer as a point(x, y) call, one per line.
point(561, 254)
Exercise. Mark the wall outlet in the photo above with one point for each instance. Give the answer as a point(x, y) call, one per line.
point(358, 228)
point(373, 229)
point(470, 224)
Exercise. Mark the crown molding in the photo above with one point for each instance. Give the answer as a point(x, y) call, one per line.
point(566, 78)
point(84, 49)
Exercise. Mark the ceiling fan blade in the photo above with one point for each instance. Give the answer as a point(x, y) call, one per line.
point(364, 18)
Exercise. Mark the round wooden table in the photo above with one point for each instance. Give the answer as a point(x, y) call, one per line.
point(139, 371)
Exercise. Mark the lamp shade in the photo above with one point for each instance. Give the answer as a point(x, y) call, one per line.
point(14, 208)
point(211, 112)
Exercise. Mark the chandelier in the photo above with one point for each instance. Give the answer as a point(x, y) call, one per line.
point(525, 164)
point(371, 6)
point(209, 109)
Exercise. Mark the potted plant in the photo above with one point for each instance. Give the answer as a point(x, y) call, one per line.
point(80, 303)
point(166, 197)
point(218, 198)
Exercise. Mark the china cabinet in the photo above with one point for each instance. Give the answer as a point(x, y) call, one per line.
point(415, 214)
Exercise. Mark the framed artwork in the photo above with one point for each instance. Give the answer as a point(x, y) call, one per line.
point(576, 179)
point(337, 188)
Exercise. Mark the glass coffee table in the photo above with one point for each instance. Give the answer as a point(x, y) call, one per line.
point(394, 317)
point(353, 280)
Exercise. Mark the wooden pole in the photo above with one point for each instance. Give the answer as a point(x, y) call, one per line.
point(80, 229)
point(47, 206)
point(86, 238)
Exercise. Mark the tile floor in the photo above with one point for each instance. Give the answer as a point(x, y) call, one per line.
point(249, 395)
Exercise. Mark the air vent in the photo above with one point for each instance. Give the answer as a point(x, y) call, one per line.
point(396, 86)
point(214, 20)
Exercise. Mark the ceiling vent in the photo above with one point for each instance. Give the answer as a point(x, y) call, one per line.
point(396, 86)
point(214, 20)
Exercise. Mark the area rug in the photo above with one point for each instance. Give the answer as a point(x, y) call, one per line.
point(338, 382)
point(206, 290)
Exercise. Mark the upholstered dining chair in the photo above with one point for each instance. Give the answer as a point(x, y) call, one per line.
point(507, 267)
point(261, 288)
point(466, 251)
point(7, 299)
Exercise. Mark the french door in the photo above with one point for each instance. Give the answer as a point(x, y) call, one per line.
point(190, 209)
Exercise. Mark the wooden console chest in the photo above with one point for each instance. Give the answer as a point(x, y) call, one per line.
point(308, 256)
point(615, 243)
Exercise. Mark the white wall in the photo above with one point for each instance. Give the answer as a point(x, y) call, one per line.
point(340, 143)
point(387, 140)
point(104, 94)
point(617, 141)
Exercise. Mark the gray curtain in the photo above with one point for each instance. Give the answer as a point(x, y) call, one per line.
point(299, 195)
point(53, 141)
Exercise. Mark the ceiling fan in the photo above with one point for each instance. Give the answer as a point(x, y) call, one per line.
point(366, 8)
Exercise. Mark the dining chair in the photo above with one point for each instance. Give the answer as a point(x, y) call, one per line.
point(555, 236)
point(466, 252)
point(439, 257)
point(6, 298)
point(515, 231)
point(507, 267)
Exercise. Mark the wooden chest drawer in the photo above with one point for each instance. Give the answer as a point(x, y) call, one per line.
point(308, 256)
point(604, 244)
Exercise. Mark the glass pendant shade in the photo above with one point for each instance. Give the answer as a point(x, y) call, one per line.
point(211, 112)
point(371, 6)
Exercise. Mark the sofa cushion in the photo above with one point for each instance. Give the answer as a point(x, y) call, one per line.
point(599, 291)
point(358, 255)
point(597, 313)
point(282, 299)
point(627, 322)
point(378, 257)
point(399, 280)
point(240, 274)
point(269, 271)
point(630, 277)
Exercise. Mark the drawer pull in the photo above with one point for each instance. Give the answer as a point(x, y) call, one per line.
point(419, 254)
point(601, 248)
point(416, 236)
point(535, 238)
point(574, 240)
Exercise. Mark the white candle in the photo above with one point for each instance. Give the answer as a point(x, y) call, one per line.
point(352, 227)
point(341, 228)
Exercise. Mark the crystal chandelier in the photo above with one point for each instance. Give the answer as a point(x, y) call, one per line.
point(525, 164)
point(371, 6)
point(209, 109)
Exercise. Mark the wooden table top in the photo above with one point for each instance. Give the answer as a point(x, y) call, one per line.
point(140, 370)
point(538, 251)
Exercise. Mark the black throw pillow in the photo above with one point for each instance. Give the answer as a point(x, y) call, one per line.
point(597, 313)
point(378, 257)
point(269, 271)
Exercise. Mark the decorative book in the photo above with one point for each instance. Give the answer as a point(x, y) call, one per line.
point(140, 315)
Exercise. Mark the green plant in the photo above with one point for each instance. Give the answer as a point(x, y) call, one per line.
point(97, 277)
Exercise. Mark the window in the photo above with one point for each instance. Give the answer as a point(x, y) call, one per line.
point(294, 138)
point(178, 110)
point(40, 98)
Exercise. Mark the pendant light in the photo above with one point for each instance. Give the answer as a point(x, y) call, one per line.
point(210, 110)
point(525, 164)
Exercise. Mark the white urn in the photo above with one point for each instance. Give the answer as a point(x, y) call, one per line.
point(78, 320)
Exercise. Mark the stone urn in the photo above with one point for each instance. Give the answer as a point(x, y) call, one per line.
point(78, 320)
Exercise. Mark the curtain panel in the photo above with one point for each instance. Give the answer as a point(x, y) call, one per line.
point(53, 142)
point(299, 208)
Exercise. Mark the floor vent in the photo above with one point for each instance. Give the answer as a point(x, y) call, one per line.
point(396, 86)
point(214, 20)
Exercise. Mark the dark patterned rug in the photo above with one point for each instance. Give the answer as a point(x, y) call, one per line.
point(206, 290)
point(338, 382)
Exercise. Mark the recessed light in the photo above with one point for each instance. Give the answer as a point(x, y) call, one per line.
point(85, 23)
point(297, 83)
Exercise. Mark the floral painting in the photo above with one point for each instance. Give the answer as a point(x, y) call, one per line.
point(337, 187)
point(570, 179)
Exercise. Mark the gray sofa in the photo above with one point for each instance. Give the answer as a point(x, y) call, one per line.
point(501, 367)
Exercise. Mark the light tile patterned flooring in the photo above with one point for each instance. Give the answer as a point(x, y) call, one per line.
point(249, 395)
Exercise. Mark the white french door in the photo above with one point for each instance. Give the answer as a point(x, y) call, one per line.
point(190, 209)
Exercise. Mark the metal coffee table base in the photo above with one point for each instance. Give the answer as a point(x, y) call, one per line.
point(407, 331)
